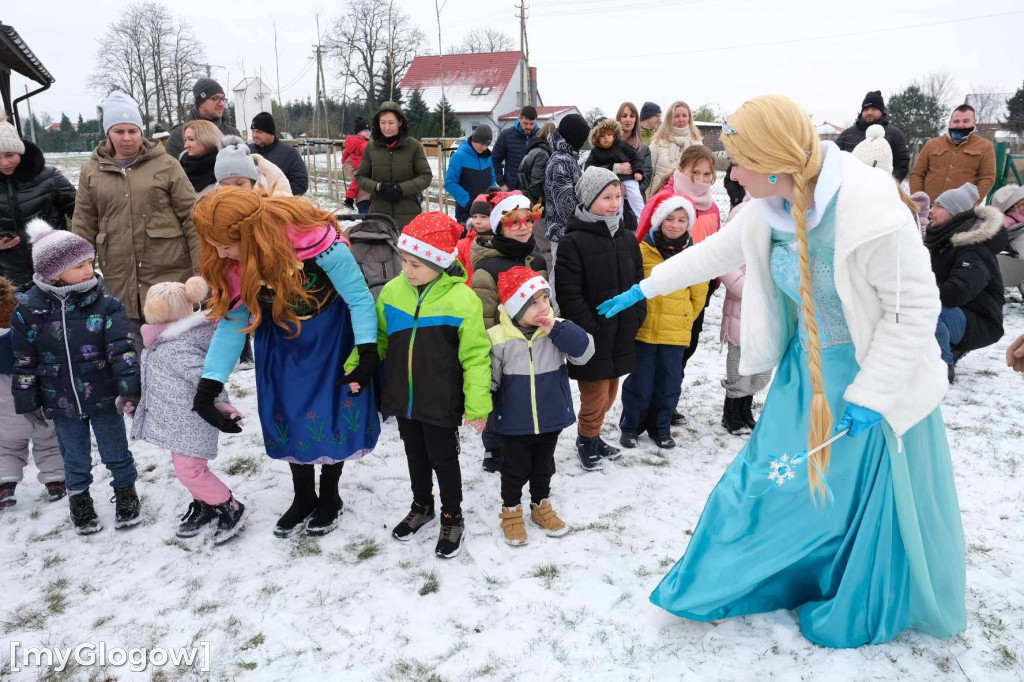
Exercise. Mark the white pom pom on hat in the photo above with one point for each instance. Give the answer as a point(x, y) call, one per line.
point(875, 151)
point(36, 229)
point(875, 131)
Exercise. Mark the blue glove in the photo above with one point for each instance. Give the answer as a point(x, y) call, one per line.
point(616, 304)
point(858, 419)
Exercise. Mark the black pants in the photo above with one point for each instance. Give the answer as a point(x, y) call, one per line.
point(433, 450)
point(527, 458)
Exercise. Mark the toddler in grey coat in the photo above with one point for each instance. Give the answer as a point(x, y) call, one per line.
point(175, 339)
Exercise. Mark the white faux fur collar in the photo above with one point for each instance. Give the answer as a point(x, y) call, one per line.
point(176, 329)
point(988, 225)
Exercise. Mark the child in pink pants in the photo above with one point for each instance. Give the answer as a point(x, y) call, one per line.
point(175, 340)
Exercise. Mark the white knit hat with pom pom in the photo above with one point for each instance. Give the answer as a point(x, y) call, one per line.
point(875, 150)
point(54, 251)
point(172, 301)
point(10, 140)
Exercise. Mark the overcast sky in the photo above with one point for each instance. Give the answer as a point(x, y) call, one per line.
point(589, 53)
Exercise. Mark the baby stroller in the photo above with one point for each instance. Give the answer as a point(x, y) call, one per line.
point(1011, 262)
point(374, 244)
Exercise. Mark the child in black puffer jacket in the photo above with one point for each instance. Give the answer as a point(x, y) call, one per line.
point(75, 363)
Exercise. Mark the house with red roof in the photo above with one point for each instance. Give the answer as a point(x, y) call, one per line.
point(481, 88)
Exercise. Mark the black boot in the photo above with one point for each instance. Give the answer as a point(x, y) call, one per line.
point(589, 452)
point(747, 411)
point(232, 514)
point(199, 515)
point(678, 418)
point(449, 541)
point(419, 516)
point(7, 498)
point(304, 483)
point(56, 491)
point(83, 515)
point(126, 507)
point(731, 419)
point(329, 506)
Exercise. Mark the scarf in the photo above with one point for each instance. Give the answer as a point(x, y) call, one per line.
point(62, 291)
point(670, 247)
point(610, 221)
point(698, 191)
point(935, 238)
point(512, 248)
point(681, 136)
point(199, 169)
point(390, 142)
point(958, 135)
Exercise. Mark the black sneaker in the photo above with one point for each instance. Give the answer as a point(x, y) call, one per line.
point(231, 516)
point(7, 498)
point(629, 440)
point(731, 419)
point(609, 452)
point(747, 411)
point(294, 520)
point(83, 515)
point(664, 441)
point(678, 418)
point(951, 373)
point(589, 452)
point(491, 465)
point(325, 517)
point(198, 515)
point(449, 542)
point(419, 516)
point(126, 507)
point(55, 491)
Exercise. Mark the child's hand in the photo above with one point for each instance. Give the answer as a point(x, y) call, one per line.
point(125, 405)
point(231, 412)
point(626, 168)
point(638, 176)
point(477, 424)
point(354, 388)
point(546, 323)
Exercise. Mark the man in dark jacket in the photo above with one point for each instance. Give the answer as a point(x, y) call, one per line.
point(470, 171)
point(963, 241)
point(210, 105)
point(284, 156)
point(510, 148)
point(28, 189)
point(872, 111)
point(531, 170)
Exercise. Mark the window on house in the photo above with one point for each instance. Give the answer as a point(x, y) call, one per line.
point(481, 90)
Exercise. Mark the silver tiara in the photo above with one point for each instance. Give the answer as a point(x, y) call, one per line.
point(726, 128)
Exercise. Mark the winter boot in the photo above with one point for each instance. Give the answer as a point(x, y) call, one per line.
point(126, 507)
point(609, 452)
point(951, 374)
point(304, 483)
point(731, 419)
point(629, 440)
point(419, 516)
point(7, 498)
point(747, 411)
point(664, 441)
point(449, 541)
point(678, 418)
point(55, 490)
point(198, 516)
point(232, 515)
point(329, 506)
point(544, 516)
point(513, 526)
point(491, 465)
point(589, 452)
point(83, 515)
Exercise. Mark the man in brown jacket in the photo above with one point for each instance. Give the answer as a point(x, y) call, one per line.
point(957, 157)
point(134, 206)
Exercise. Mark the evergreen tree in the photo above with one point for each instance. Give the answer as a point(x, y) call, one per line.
point(385, 92)
point(452, 126)
point(1015, 112)
point(416, 113)
point(918, 115)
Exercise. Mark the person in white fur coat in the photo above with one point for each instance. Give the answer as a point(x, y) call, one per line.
point(863, 538)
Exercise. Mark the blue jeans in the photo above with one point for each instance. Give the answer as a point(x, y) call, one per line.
point(950, 331)
point(654, 385)
point(112, 442)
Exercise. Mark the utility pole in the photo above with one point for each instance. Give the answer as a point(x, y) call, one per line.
point(31, 123)
point(438, 6)
point(524, 56)
point(321, 81)
point(277, 71)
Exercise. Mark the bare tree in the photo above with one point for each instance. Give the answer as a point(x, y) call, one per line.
point(184, 65)
point(941, 86)
point(484, 40)
point(989, 104)
point(373, 44)
point(594, 115)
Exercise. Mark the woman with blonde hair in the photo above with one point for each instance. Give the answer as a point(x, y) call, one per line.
point(202, 141)
point(855, 527)
point(676, 133)
point(280, 267)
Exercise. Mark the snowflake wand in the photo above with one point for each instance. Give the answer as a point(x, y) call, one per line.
point(782, 468)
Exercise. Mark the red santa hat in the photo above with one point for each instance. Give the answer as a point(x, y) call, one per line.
point(503, 202)
point(517, 287)
point(431, 237)
point(669, 203)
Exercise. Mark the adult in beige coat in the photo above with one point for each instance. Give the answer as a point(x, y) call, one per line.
point(134, 206)
point(676, 133)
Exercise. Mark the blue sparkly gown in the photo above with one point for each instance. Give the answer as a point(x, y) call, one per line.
point(884, 555)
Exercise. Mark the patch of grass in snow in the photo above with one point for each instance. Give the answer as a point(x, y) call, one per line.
point(46, 536)
point(241, 392)
point(256, 640)
point(412, 670)
point(85, 587)
point(306, 545)
point(492, 666)
point(246, 464)
point(179, 543)
point(69, 672)
point(51, 560)
point(101, 621)
point(364, 548)
point(270, 590)
point(25, 618)
point(54, 596)
point(546, 572)
point(666, 561)
point(430, 583)
point(247, 665)
point(205, 607)
point(642, 572)
point(975, 547)
point(34, 514)
point(493, 581)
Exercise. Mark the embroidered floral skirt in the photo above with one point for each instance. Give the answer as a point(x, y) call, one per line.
point(884, 554)
point(307, 414)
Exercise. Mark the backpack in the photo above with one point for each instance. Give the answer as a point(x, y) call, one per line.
point(374, 244)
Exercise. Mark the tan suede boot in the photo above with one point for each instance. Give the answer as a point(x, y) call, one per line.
point(544, 516)
point(513, 525)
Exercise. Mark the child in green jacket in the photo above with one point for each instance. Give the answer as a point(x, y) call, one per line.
point(437, 370)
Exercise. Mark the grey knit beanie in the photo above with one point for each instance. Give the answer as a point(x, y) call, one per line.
point(54, 251)
point(120, 108)
point(592, 183)
point(10, 141)
point(958, 200)
point(233, 160)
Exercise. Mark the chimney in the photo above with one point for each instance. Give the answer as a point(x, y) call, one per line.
point(534, 96)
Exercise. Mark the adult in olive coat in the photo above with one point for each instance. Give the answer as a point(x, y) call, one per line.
point(394, 169)
point(28, 189)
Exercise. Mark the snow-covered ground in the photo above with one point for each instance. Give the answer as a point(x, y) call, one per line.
point(356, 605)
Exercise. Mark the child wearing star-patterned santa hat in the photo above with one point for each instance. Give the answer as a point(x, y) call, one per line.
point(532, 403)
point(436, 358)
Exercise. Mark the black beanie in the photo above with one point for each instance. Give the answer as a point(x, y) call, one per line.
point(360, 126)
point(480, 207)
point(204, 89)
point(873, 99)
point(649, 109)
point(264, 122)
point(574, 130)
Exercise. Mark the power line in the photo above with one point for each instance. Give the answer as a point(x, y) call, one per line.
point(725, 48)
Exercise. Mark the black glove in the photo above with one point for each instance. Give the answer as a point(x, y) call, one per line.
point(391, 192)
point(350, 203)
point(202, 405)
point(364, 371)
